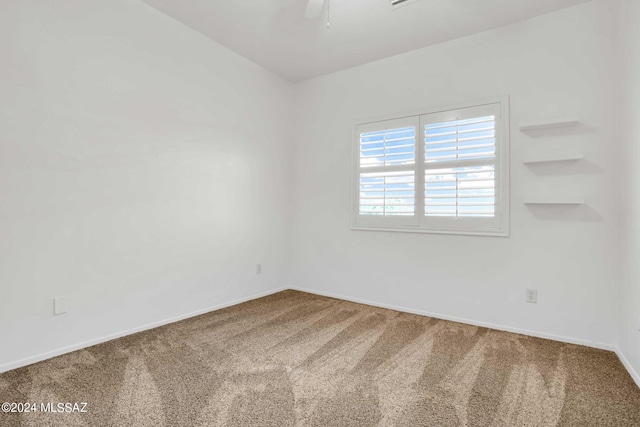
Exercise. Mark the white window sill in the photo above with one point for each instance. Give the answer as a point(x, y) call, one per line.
point(490, 233)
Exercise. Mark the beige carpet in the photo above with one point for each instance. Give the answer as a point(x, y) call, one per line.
point(299, 359)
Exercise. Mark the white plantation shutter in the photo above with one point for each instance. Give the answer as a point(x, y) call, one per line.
point(392, 147)
point(387, 193)
point(386, 163)
point(460, 192)
point(445, 172)
point(459, 166)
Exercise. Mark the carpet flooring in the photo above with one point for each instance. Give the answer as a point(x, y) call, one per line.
point(294, 358)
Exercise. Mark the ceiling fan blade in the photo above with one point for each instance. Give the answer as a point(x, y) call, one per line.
point(314, 9)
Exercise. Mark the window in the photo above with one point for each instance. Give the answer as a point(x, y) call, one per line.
point(443, 171)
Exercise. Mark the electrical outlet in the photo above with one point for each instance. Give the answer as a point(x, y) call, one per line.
point(532, 296)
point(258, 268)
point(60, 306)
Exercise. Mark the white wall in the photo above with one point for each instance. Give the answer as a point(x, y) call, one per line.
point(552, 66)
point(145, 169)
point(630, 301)
point(142, 172)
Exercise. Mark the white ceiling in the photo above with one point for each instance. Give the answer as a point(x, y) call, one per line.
point(274, 33)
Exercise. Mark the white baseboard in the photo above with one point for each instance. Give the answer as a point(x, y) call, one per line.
point(628, 366)
point(587, 343)
point(48, 355)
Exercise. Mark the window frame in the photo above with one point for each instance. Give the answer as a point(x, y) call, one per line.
point(498, 226)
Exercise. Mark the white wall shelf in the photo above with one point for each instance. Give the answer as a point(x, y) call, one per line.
point(549, 124)
point(553, 201)
point(552, 157)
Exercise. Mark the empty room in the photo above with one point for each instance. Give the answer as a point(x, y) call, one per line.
point(320, 213)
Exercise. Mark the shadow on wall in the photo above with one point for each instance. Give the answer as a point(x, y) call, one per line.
point(577, 129)
point(583, 213)
point(565, 167)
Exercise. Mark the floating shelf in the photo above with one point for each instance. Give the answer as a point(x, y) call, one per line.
point(553, 201)
point(553, 157)
point(550, 124)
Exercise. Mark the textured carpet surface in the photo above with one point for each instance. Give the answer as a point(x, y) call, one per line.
point(298, 359)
